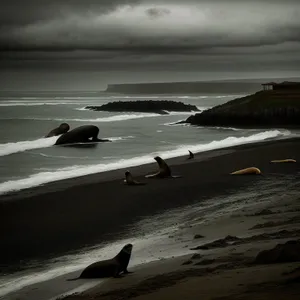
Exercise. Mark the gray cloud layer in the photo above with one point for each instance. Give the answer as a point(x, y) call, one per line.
point(148, 27)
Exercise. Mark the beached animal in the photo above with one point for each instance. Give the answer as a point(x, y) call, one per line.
point(191, 155)
point(62, 128)
point(164, 170)
point(81, 134)
point(247, 171)
point(130, 181)
point(109, 268)
point(288, 160)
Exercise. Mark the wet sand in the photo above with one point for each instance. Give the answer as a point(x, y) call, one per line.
point(64, 216)
point(223, 263)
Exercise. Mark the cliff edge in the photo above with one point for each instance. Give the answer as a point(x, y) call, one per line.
point(275, 108)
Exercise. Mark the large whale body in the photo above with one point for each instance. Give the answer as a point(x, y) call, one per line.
point(81, 134)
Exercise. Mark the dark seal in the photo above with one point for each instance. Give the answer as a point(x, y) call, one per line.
point(61, 129)
point(110, 267)
point(130, 181)
point(81, 134)
point(164, 170)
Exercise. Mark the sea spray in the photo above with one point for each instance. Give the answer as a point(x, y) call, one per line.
point(10, 148)
point(76, 171)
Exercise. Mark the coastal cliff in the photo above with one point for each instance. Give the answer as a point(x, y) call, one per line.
point(147, 106)
point(276, 108)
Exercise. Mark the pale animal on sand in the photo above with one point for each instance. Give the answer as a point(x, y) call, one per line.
point(288, 160)
point(247, 171)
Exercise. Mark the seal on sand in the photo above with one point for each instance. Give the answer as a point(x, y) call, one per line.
point(62, 128)
point(191, 155)
point(164, 170)
point(288, 160)
point(130, 181)
point(247, 171)
point(81, 134)
point(110, 267)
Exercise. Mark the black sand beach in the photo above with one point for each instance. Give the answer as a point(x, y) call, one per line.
point(64, 216)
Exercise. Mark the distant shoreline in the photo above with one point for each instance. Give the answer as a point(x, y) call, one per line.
point(183, 87)
point(192, 87)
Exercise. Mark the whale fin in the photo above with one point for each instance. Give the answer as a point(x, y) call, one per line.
point(191, 155)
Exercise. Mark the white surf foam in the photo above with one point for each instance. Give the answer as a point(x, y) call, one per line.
point(114, 118)
point(24, 103)
point(81, 108)
point(120, 138)
point(10, 148)
point(76, 171)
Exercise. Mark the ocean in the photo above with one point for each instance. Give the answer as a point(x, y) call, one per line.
point(27, 159)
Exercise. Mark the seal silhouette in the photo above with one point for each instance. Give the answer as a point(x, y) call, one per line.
point(62, 128)
point(247, 171)
point(164, 170)
point(108, 268)
point(130, 181)
point(191, 155)
point(81, 134)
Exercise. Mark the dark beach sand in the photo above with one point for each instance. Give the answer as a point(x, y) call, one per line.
point(66, 215)
point(227, 268)
point(63, 216)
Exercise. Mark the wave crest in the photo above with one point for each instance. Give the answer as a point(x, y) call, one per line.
point(10, 148)
point(76, 171)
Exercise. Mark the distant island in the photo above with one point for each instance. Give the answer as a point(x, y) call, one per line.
point(146, 106)
point(277, 105)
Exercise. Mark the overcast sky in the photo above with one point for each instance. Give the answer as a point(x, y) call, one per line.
point(187, 35)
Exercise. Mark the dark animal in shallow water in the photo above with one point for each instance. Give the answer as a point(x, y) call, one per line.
point(62, 128)
point(130, 181)
point(81, 134)
point(110, 267)
point(164, 170)
point(191, 155)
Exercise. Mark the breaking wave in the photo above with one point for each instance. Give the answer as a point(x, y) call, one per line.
point(114, 118)
point(11, 148)
point(76, 171)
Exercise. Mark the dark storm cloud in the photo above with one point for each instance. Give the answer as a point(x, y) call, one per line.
point(157, 12)
point(148, 26)
point(14, 13)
